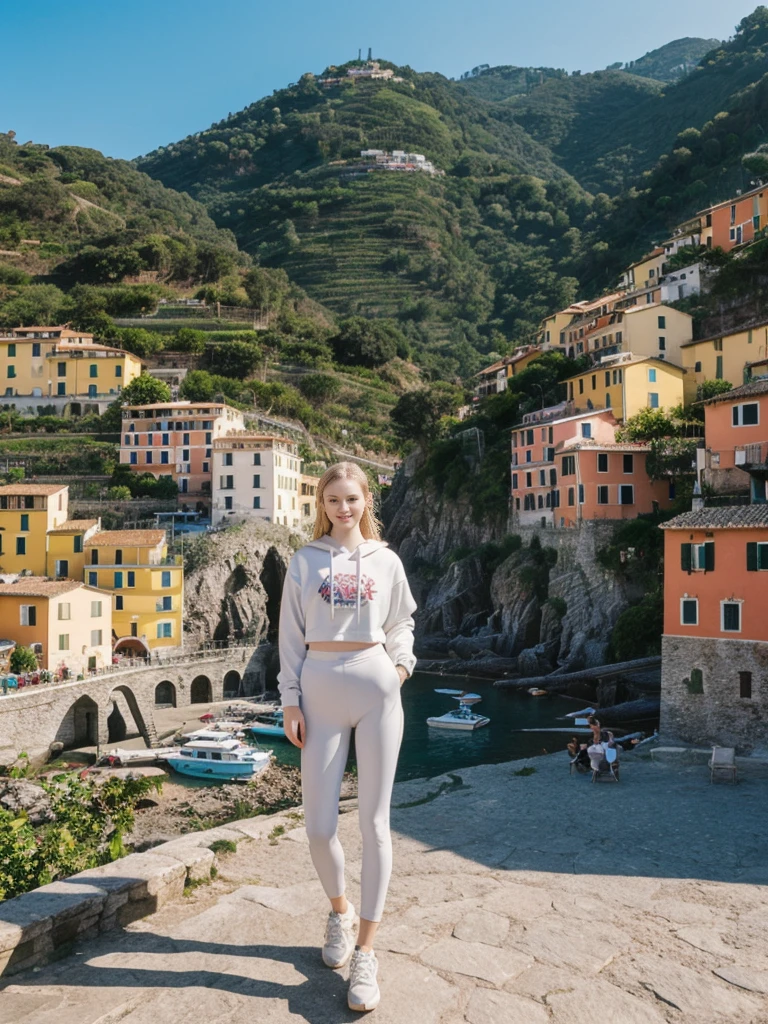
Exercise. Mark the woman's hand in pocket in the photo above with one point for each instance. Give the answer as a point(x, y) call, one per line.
point(294, 727)
point(402, 672)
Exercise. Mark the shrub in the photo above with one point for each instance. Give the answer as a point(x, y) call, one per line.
point(23, 660)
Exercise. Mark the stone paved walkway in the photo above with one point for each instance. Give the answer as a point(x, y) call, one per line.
point(525, 899)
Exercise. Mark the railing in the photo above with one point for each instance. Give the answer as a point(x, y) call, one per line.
point(754, 455)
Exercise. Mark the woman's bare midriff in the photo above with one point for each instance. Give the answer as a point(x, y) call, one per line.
point(339, 645)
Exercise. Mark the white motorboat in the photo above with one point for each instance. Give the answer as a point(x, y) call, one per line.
point(213, 735)
point(463, 717)
point(223, 758)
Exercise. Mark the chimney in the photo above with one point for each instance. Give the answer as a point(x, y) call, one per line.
point(697, 502)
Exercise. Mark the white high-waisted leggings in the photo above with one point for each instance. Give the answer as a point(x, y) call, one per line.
point(341, 691)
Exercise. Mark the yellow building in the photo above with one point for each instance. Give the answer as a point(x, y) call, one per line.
point(625, 384)
point(645, 274)
point(727, 356)
point(67, 625)
point(58, 363)
point(552, 333)
point(147, 587)
point(308, 499)
point(27, 513)
point(66, 548)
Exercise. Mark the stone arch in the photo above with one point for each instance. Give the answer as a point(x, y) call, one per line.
point(135, 710)
point(201, 691)
point(80, 725)
point(231, 684)
point(165, 694)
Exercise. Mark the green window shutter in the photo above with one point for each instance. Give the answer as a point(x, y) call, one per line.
point(752, 557)
point(709, 556)
point(685, 557)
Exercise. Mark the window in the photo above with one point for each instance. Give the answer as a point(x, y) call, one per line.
point(96, 638)
point(228, 503)
point(131, 578)
point(745, 685)
point(61, 369)
point(164, 630)
point(118, 602)
point(652, 376)
point(718, 367)
point(165, 604)
point(581, 494)
point(602, 495)
point(95, 609)
point(21, 545)
point(602, 462)
point(529, 456)
point(549, 454)
point(626, 494)
point(28, 615)
point(514, 483)
point(118, 370)
point(149, 458)
point(581, 386)
point(78, 544)
point(662, 323)
point(586, 430)
point(542, 477)
point(653, 400)
point(11, 371)
point(528, 480)
point(93, 370)
point(93, 579)
point(185, 440)
point(185, 454)
point(662, 344)
point(35, 349)
point(747, 415)
point(63, 641)
point(689, 611)
point(257, 479)
point(226, 483)
point(528, 437)
point(568, 466)
point(697, 557)
point(730, 616)
point(118, 581)
point(629, 463)
point(757, 557)
point(11, 351)
point(65, 611)
point(718, 344)
point(697, 366)
point(164, 459)
point(165, 578)
point(552, 477)
point(133, 458)
point(257, 458)
point(607, 378)
point(24, 522)
point(594, 381)
point(227, 457)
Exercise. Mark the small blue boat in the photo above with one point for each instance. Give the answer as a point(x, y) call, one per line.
point(270, 724)
point(226, 759)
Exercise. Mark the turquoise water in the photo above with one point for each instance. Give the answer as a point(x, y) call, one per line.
point(427, 751)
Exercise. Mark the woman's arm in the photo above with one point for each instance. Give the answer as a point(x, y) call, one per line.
point(291, 643)
point(398, 627)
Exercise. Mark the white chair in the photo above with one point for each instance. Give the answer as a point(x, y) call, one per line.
point(723, 760)
point(609, 766)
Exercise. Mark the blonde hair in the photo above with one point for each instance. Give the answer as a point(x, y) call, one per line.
point(370, 527)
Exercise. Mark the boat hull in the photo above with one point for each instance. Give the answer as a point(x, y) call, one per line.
point(266, 730)
point(224, 770)
point(465, 725)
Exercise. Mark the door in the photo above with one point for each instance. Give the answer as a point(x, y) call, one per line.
point(62, 568)
point(134, 629)
point(92, 392)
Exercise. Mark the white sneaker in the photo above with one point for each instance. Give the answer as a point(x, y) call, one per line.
point(339, 942)
point(363, 988)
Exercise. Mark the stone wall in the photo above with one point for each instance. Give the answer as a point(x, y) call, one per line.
point(718, 714)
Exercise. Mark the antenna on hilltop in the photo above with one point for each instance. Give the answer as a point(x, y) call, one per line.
point(360, 53)
point(370, 53)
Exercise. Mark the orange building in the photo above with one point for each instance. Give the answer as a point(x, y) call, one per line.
point(715, 644)
point(736, 431)
point(735, 221)
point(603, 480)
point(176, 439)
point(535, 442)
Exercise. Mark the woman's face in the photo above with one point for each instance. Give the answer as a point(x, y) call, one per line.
point(344, 503)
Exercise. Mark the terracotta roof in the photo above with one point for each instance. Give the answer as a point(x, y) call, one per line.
point(126, 538)
point(38, 586)
point(74, 525)
point(755, 387)
point(609, 363)
point(735, 517)
point(750, 326)
point(31, 489)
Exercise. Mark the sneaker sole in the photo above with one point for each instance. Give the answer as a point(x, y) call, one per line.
point(341, 963)
point(364, 1007)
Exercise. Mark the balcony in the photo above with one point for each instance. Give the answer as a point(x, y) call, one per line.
point(752, 457)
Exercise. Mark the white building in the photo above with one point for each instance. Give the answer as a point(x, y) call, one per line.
point(679, 284)
point(256, 476)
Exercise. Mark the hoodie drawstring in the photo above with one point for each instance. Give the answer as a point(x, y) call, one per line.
point(330, 581)
point(358, 583)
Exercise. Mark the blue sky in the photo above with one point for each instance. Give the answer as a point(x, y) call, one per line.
point(125, 78)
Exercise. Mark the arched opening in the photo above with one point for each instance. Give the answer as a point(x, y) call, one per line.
point(272, 576)
point(133, 707)
point(80, 725)
point(132, 647)
point(200, 691)
point(231, 684)
point(117, 728)
point(165, 695)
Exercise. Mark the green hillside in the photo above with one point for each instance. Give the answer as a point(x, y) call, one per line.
point(670, 62)
point(501, 82)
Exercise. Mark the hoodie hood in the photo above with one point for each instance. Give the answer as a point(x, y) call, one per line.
point(334, 548)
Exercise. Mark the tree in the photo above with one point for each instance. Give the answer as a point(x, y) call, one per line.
point(188, 340)
point(145, 390)
point(361, 342)
point(198, 386)
point(236, 359)
point(417, 414)
point(37, 304)
point(712, 388)
point(121, 493)
point(319, 387)
point(647, 425)
point(23, 660)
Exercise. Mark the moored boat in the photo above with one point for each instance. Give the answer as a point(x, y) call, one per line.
point(463, 718)
point(225, 758)
point(269, 724)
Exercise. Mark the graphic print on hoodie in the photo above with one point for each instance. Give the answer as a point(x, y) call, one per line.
point(345, 589)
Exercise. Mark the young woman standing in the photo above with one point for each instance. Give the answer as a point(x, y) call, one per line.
point(346, 647)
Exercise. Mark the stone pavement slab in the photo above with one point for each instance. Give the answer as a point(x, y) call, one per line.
point(504, 907)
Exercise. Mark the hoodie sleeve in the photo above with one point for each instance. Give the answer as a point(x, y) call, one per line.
point(291, 643)
point(399, 624)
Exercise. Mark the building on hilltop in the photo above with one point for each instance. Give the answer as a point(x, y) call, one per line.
point(147, 587)
point(370, 71)
point(28, 512)
point(714, 682)
point(729, 356)
point(735, 221)
point(736, 432)
point(256, 476)
point(66, 624)
point(651, 330)
point(59, 367)
point(176, 439)
point(626, 384)
point(493, 379)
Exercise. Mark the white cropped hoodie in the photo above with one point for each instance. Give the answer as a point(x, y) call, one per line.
point(369, 601)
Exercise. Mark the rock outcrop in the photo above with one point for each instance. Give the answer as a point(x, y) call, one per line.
point(22, 797)
point(234, 581)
